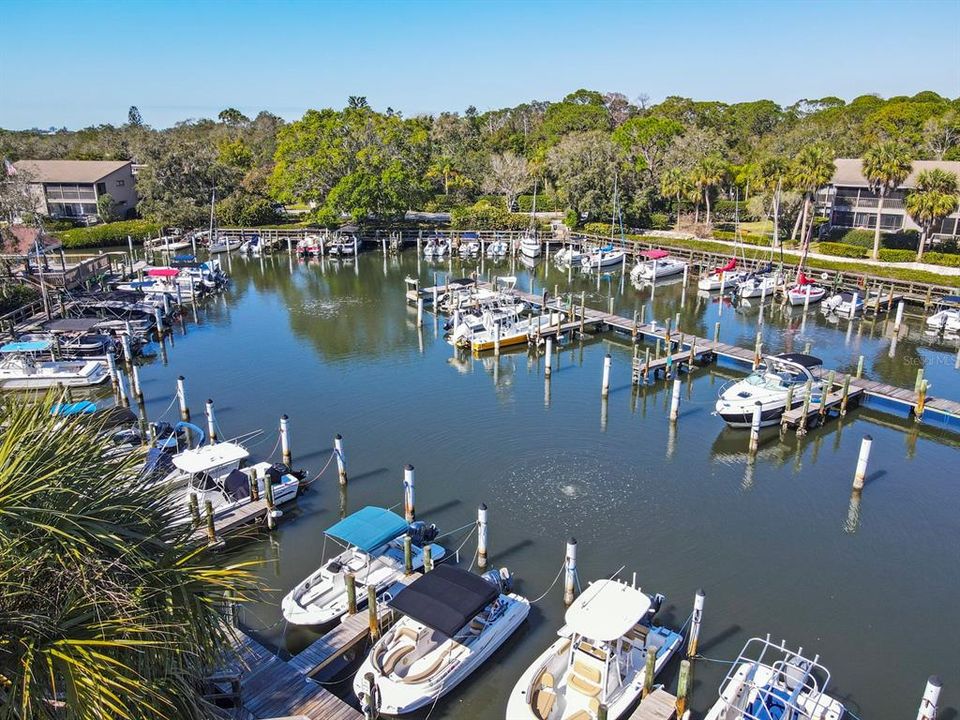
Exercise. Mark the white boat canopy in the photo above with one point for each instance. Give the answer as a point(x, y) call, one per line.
point(606, 610)
point(210, 457)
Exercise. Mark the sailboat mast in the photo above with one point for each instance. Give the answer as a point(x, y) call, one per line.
point(213, 200)
point(613, 219)
point(533, 210)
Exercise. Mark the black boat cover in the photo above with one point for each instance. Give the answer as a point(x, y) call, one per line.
point(237, 485)
point(445, 599)
point(808, 361)
point(70, 325)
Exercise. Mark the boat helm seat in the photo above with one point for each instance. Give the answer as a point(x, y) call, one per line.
point(542, 702)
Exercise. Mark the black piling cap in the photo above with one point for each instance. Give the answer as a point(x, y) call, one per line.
point(409, 467)
point(284, 417)
point(483, 506)
point(868, 437)
point(572, 541)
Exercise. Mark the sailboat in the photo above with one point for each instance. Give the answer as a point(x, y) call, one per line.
point(216, 244)
point(805, 291)
point(530, 244)
point(607, 256)
point(727, 277)
point(598, 658)
point(765, 282)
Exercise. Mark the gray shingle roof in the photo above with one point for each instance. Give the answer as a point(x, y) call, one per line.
point(849, 173)
point(69, 171)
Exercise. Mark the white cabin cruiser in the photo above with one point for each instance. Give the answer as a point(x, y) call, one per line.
point(530, 246)
point(569, 256)
point(221, 245)
point(657, 264)
point(452, 622)
point(436, 248)
point(374, 556)
point(599, 657)
point(498, 248)
point(251, 246)
point(947, 318)
point(769, 385)
point(217, 473)
point(770, 682)
point(844, 304)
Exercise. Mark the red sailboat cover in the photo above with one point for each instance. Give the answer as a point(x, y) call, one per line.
point(163, 272)
point(654, 254)
point(802, 279)
point(728, 267)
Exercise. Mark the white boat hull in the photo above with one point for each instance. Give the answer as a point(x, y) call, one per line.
point(53, 374)
point(945, 321)
point(655, 270)
point(716, 281)
point(798, 296)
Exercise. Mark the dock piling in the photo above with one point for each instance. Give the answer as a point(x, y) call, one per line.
point(211, 526)
point(182, 399)
point(605, 387)
point(271, 507)
point(845, 397)
point(194, 506)
point(341, 458)
point(695, 620)
point(350, 581)
point(802, 425)
point(675, 401)
point(899, 317)
point(371, 704)
point(427, 558)
point(755, 426)
point(482, 536)
point(409, 497)
point(127, 348)
point(158, 319)
point(211, 423)
point(548, 358)
point(683, 685)
point(570, 572)
point(931, 697)
point(135, 382)
point(716, 332)
point(122, 389)
point(649, 671)
point(372, 613)
point(407, 555)
point(862, 461)
point(285, 440)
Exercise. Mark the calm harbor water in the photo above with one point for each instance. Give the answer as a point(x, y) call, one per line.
point(777, 543)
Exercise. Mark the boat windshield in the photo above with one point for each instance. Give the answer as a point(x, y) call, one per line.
point(772, 379)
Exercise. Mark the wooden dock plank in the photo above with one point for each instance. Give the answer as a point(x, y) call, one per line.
point(658, 705)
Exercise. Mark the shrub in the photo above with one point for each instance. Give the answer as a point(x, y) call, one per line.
point(939, 258)
point(842, 250)
point(660, 221)
point(545, 203)
point(571, 219)
point(15, 296)
point(597, 228)
point(904, 240)
point(51, 225)
point(108, 234)
point(746, 238)
point(484, 216)
point(890, 255)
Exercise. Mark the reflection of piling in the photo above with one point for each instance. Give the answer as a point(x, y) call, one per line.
point(859, 367)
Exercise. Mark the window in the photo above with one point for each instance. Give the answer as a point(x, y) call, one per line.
point(101, 188)
point(121, 183)
point(88, 209)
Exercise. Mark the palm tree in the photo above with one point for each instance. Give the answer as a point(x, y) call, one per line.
point(674, 184)
point(708, 174)
point(108, 609)
point(934, 198)
point(811, 170)
point(885, 166)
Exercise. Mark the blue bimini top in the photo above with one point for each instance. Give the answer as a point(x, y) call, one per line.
point(368, 528)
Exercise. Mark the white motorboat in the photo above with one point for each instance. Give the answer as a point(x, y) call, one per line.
point(657, 264)
point(216, 473)
point(762, 284)
point(436, 248)
point(452, 622)
point(167, 243)
point(947, 317)
point(805, 291)
point(599, 657)
point(769, 682)
point(251, 246)
point(530, 246)
point(374, 556)
point(310, 246)
point(568, 256)
point(770, 384)
point(22, 369)
point(498, 248)
point(504, 331)
point(844, 304)
point(469, 245)
point(343, 247)
point(603, 257)
point(726, 278)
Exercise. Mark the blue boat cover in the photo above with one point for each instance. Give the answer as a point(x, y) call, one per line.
point(83, 407)
point(185, 258)
point(770, 704)
point(31, 346)
point(952, 299)
point(368, 528)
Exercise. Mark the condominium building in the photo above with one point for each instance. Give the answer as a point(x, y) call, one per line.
point(71, 188)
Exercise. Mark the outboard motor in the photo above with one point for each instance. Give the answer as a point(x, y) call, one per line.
point(501, 579)
point(656, 602)
point(421, 534)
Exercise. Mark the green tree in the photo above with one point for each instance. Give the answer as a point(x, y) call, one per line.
point(674, 183)
point(708, 174)
point(106, 207)
point(582, 166)
point(108, 606)
point(885, 165)
point(232, 116)
point(134, 119)
point(811, 169)
point(508, 176)
point(934, 198)
point(646, 141)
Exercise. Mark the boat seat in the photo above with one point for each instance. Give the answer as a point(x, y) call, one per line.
point(564, 646)
point(428, 671)
point(546, 679)
point(408, 633)
point(638, 632)
point(543, 702)
point(582, 686)
point(395, 656)
point(579, 715)
point(588, 673)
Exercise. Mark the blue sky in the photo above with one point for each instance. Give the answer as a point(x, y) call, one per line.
point(85, 62)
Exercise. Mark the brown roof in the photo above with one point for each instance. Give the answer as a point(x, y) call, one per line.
point(69, 171)
point(849, 171)
point(22, 240)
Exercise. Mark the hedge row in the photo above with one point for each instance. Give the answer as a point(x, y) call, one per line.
point(939, 258)
point(891, 255)
point(108, 234)
point(745, 238)
point(903, 240)
point(842, 250)
point(484, 216)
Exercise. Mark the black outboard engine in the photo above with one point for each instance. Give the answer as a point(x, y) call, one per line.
point(656, 602)
point(501, 579)
point(421, 534)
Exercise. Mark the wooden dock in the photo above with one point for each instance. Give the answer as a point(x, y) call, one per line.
point(271, 688)
point(818, 412)
point(658, 705)
point(231, 520)
point(946, 410)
